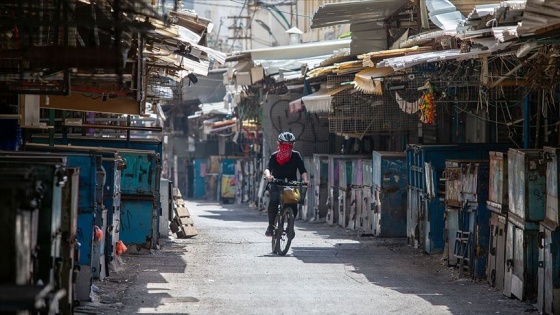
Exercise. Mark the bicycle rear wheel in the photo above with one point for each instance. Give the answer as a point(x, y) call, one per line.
point(284, 231)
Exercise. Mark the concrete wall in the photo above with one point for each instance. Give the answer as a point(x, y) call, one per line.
point(311, 130)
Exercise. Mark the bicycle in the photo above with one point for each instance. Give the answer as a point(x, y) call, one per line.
point(284, 222)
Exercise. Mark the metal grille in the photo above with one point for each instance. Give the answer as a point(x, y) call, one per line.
point(356, 114)
point(462, 97)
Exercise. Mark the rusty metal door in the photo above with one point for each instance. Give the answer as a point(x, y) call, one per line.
point(496, 256)
point(521, 260)
point(548, 301)
point(552, 184)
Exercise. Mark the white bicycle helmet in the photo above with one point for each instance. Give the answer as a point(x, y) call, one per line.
point(286, 137)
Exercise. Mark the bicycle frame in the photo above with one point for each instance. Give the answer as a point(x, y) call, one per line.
point(284, 222)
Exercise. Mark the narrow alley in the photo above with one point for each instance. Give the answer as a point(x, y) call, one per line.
point(228, 268)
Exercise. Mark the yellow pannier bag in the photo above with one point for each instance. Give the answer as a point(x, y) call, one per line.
point(291, 195)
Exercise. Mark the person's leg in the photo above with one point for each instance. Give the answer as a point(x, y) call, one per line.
point(295, 210)
point(272, 207)
point(292, 227)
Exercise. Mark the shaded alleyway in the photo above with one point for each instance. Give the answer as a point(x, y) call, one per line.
point(228, 269)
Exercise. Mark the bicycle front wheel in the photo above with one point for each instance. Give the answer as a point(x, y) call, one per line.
point(274, 238)
point(284, 232)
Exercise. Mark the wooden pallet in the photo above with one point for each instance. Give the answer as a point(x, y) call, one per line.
point(182, 224)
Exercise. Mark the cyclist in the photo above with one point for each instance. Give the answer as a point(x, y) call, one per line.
point(283, 164)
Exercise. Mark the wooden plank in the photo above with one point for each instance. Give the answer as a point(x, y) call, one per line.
point(176, 193)
point(185, 221)
point(182, 212)
point(182, 224)
point(187, 231)
point(79, 102)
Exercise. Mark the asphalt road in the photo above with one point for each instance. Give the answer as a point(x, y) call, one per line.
point(228, 268)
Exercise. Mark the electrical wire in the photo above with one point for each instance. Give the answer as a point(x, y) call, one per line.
point(238, 16)
point(288, 25)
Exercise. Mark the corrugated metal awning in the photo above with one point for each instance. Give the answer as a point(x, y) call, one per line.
point(210, 108)
point(304, 50)
point(404, 62)
point(444, 14)
point(320, 101)
point(355, 12)
point(272, 67)
point(214, 108)
point(367, 80)
point(539, 15)
point(169, 39)
point(193, 22)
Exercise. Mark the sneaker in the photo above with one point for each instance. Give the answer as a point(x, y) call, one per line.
point(269, 231)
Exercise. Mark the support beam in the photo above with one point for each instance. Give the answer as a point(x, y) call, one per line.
point(81, 103)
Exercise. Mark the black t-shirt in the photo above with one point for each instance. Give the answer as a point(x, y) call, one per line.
point(288, 170)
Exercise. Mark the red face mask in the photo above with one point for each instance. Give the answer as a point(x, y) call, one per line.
point(284, 152)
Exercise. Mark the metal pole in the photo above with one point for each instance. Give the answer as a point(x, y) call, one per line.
point(175, 172)
point(526, 125)
point(128, 131)
point(51, 130)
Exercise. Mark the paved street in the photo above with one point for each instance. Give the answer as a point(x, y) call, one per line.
point(228, 268)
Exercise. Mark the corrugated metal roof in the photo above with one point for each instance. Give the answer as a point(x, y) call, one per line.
point(304, 50)
point(466, 6)
point(440, 6)
point(484, 17)
point(192, 21)
point(404, 62)
point(272, 67)
point(424, 38)
point(210, 108)
point(162, 52)
point(444, 14)
point(447, 21)
point(355, 12)
point(539, 15)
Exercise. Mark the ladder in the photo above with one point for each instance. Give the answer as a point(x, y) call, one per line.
point(463, 251)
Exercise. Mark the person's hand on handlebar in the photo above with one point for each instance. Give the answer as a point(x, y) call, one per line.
point(268, 176)
point(305, 179)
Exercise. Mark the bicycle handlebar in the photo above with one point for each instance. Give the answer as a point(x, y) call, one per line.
point(288, 183)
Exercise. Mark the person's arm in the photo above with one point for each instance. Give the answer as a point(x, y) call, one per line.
point(267, 175)
point(305, 179)
point(302, 170)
